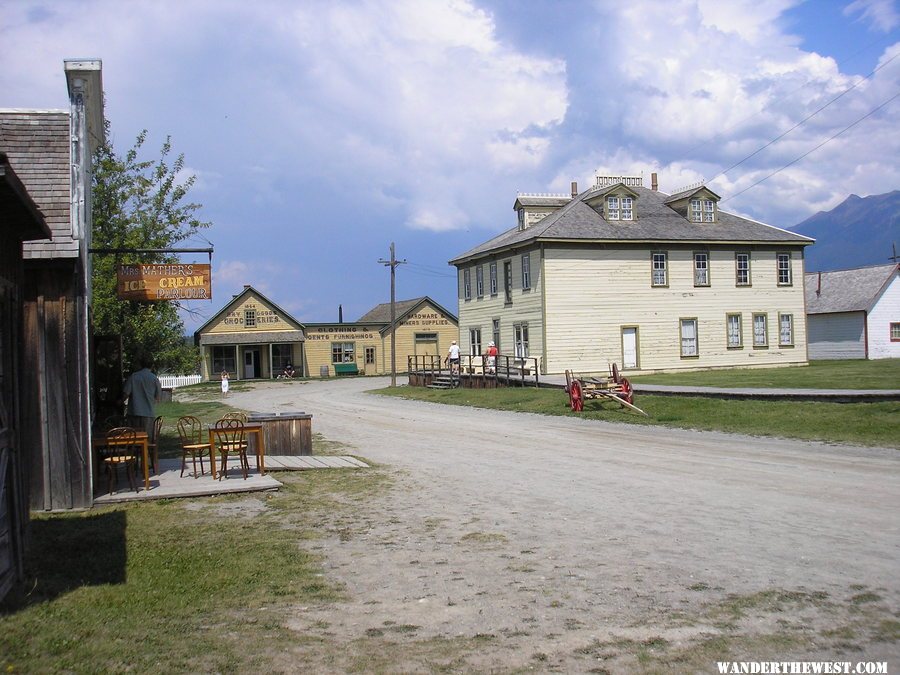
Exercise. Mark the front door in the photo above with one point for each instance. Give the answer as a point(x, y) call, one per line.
point(629, 347)
point(251, 364)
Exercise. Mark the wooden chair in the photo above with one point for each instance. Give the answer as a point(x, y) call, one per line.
point(231, 439)
point(242, 417)
point(115, 422)
point(121, 449)
point(153, 444)
point(190, 429)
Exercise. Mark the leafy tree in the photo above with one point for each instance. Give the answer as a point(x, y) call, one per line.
point(141, 204)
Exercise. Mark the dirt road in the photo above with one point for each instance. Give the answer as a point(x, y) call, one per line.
point(565, 544)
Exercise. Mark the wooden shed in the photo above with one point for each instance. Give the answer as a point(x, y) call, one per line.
point(50, 151)
point(20, 220)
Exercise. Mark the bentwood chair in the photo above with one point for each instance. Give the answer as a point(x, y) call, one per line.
point(121, 449)
point(190, 429)
point(153, 444)
point(234, 415)
point(231, 439)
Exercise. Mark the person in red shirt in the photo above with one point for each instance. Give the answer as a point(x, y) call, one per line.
point(491, 357)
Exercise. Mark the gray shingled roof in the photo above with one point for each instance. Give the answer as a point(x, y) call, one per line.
point(656, 222)
point(37, 144)
point(382, 313)
point(853, 290)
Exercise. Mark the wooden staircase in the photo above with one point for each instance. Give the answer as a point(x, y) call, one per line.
point(444, 382)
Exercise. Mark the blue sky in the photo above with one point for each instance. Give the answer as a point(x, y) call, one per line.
point(320, 132)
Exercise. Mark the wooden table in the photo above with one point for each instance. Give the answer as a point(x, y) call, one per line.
point(253, 428)
point(98, 441)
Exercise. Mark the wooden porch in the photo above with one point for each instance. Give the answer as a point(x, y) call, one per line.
point(169, 484)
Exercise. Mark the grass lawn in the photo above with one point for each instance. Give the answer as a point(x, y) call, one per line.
point(855, 374)
point(876, 424)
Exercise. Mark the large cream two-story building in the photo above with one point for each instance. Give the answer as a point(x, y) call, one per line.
point(625, 274)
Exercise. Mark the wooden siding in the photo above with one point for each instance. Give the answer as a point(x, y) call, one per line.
point(841, 335)
point(526, 306)
point(268, 318)
point(885, 312)
point(592, 293)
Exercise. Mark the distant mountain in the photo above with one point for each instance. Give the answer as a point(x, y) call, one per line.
point(856, 233)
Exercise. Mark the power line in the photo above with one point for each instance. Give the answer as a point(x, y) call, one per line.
point(805, 119)
point(827, 140)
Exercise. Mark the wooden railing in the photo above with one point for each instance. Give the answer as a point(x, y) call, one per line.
point(507, 369)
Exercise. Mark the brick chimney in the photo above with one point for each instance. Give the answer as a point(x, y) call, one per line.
point(574, 189)
point(654, 184)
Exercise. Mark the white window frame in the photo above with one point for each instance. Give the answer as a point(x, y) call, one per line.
point(627, 208)
point(701, 273)
point(250, 318)
point(760, 337)
point(612, 208)
point(785, 330)
point(467, 284)
point(521, 219)
point(475, 341)
point(493, 278)
point(894, 331)
point(659, 265)
point(342, 350)
point(479, 281)
point(742, 274)
point(734, 333)
point(709, 211)
point(526, 271)
point(783, 269)
point(690, 345)
point(520, 337)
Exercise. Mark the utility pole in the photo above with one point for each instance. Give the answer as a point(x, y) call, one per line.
point(393, 262)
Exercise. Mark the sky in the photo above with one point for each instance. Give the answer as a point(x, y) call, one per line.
point(321, 131)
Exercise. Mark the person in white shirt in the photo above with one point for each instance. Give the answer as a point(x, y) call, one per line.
point(453, 358)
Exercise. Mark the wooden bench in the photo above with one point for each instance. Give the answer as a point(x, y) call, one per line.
point(346, 369)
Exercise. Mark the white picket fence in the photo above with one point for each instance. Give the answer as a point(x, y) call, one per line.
point(174, 381)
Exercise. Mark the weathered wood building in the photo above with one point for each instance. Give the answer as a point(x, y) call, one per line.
point(854, 314)
point(252, 337)
point(626, 274)
point(50, 151)
point(20, 221)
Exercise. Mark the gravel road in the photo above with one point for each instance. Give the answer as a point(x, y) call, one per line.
point(569, 544)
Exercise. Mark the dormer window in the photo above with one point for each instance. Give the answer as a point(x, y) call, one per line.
point(703, 211)
point(620, 208)
point(521, 219)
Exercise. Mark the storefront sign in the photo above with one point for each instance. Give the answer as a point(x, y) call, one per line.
point(164, 282)
point(427, 319)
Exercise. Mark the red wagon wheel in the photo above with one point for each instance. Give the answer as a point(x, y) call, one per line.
point(576, 396)
point(627, 394)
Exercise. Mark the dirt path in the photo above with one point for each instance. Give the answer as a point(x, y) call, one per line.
point(566, 544)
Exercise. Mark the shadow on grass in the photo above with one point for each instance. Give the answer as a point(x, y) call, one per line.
point(69, 553)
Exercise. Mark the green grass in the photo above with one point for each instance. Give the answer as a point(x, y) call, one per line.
point(876, 424)
point(158, 587)
point(856, 374)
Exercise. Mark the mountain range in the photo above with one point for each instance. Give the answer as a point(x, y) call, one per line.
point(859, 231)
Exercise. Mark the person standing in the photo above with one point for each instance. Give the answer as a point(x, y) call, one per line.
point(453, 358)
point(224, 383)
point(491, 359)
point(143, 391)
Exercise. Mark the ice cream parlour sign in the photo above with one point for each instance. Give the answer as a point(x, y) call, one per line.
point(164, 282)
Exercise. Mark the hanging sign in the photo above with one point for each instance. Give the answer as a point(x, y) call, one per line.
point(164, 282)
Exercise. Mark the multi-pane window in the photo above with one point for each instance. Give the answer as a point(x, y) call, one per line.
point(475, 341)
point(895, 332)
point(467, 284)
point(785, 330)
point(479, 281)
point(343, 352)
point(783, 260)
point(689, 346)
point(701, 269)
point(521, 219)
point(507, 281)
point(734, 330)
point(223, 359)
point(526, 271)
point(493, 278)
point(370, 356)
point(495, 332)
point(281, 358)
point(742, 269)
point(520, 331)
point(703, 210)
point(612, 208)
point(660, 268)
point(627, 208)
point(249, 318)
point(760, 330)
